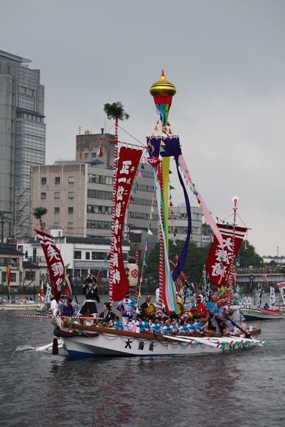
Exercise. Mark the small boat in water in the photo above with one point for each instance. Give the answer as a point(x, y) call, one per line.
point(261, 314)
point(18, 305)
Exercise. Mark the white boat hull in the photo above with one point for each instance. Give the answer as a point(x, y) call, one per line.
point(109, 342)
point(18, 307)
point(256, 314)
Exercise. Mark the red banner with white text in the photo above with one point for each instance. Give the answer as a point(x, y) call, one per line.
point(54, 262)
point(128, 162)
point(220, 259)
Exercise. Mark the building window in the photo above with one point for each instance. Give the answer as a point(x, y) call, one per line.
point(57, 195)
point(87, 255)
point(86, 155)
point(56, 224)
point(43, 196)
point(71, 194)
point(56, 210)
point(70, 210)
point(77, 254)
point(43, 180)
point(57, 180)
point(70, 225)
point(71, 179)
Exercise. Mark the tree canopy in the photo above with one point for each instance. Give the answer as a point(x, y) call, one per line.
point(247, 256)
point(39, 212)
point(196, 260)
point(116, 111)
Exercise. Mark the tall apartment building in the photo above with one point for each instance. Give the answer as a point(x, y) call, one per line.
point(22, 140)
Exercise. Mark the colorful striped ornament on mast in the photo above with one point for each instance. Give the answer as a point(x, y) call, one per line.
point(163, 92)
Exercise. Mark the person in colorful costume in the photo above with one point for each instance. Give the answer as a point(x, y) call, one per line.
point(199, 310)
point(66, 308)
point(127, 308)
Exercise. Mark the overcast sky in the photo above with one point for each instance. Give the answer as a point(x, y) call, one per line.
point(227, 61)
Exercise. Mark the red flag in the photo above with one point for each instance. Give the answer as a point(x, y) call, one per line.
point(54, 262)
point(127, 167)
point(219, 260)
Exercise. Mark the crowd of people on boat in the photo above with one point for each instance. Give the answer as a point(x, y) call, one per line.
point(213, 315)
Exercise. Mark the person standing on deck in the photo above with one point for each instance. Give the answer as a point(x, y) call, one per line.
point(90, 290)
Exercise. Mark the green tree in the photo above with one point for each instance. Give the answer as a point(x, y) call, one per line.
point(194, 265)
point(115, 111)
point(247, 256)
point(196, 260)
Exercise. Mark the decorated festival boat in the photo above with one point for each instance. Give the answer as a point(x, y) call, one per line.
point(261, 314)
point(82, 339)
point(267, 312)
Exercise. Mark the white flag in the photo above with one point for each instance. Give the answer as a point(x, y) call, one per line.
point(47, 295)
point(272, 296)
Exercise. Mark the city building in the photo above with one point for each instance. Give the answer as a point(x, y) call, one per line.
point(78, 195)
point(178, 224)
point(11, 258)
point(23, 140)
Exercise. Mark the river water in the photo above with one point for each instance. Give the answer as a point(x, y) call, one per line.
point(244, 388)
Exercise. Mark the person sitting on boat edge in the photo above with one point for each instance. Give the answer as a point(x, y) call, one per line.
point(230, 328)
point(223, 320)
point(90, 289)
point(199, 310)
point(107, 315)
point(148, 308)
point(66, 308)
point(127, 308)
point(266, 306)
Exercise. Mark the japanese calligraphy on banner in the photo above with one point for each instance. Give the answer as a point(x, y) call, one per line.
point(126, 171)
point(219, 259)
point(54, 262)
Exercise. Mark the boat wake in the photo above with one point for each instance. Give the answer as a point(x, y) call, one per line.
point(47, 347)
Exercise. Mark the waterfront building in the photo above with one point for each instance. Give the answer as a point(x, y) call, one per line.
point(178, 224)
point(78, 194)
point(81, 255)
point(23, 140)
